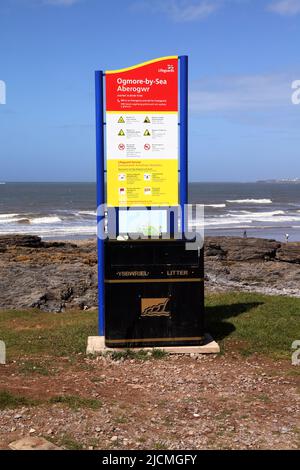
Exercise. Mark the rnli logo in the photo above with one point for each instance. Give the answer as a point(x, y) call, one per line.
point(155, 307)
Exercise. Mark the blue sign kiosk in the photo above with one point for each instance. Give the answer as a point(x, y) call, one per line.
point(150, 287)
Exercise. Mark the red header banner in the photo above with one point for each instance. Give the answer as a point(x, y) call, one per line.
point(150, 86)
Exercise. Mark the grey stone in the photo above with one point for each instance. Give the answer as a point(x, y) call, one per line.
point(33, 443)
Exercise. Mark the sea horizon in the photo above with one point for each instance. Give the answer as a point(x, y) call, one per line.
point(267, 181)
point(67, 210)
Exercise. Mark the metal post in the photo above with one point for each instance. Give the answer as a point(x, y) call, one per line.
point(183, 136)
point(100, 196)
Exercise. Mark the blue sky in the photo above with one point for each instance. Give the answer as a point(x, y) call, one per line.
point(243, 57)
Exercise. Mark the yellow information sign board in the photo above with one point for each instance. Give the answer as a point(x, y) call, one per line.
point(142, 182)
point(142, 134)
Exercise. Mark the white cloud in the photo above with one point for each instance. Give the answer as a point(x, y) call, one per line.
point(2, 92)
point(241, 95)
point(187, 11)
point(180, 10)
point(42, 3)
point(285, 7)
point(193, 10)
point(65, 3)
point(255, 100)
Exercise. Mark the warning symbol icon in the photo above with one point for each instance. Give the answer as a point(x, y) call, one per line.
point(147, 133)
point(121, 120)
point(122, 133)
point(147, 120)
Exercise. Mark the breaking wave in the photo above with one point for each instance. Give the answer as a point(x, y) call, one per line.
point(250, 201)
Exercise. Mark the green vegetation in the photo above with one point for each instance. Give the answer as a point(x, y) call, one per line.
point(46, 344)
point(158, 354)
point(68, 443)
point(254, 323)
point(121, 419)
point(160, 445)
point(238, 321)
point(75, 402)
point(142, 355)
point(9, 400)
point(35, 367)
point(39, 333)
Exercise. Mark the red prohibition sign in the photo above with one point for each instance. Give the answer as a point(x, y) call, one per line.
point(147, 146)
point(121, 147)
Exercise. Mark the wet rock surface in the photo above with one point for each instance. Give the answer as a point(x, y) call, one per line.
point(54, 276)
point(241, 249)
point(50, 276)
point(252, 264)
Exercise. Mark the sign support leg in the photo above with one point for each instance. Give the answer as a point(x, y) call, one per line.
point(100, 198)
point(183, 137)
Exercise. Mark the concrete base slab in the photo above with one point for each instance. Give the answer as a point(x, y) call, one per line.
point(33, 443)
point(96, 345)
point(210, 348)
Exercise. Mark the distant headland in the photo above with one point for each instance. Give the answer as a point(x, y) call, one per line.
point(282, 180)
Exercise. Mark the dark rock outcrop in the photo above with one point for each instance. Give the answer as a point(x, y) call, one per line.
point(252, 264)
point(54, 276)
point(289, 253)
point(241, 249)
point(51, 276)
point(30, 241)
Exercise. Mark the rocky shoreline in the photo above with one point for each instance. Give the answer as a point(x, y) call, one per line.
point(54, 276)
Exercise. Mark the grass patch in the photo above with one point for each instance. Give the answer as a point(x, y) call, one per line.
point(120, 420)
point(32, 367)
point(9, 400)
point(69, 443)
point(158, 353)
point(263, 397)
point(34, 332)
point(138, 355)
point(293, 372)
point(160, 445)
point(75, 402)
point(245, 322)
point(262, 324)
point(97, 380)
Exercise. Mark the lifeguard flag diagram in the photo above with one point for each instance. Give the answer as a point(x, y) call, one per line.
point(142, 134)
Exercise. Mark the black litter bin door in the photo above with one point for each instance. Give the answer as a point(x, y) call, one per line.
point(154, 294)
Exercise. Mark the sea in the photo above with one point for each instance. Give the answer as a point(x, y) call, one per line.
point(68, 210)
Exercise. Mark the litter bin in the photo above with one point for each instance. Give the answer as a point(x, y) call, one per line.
point(154, 294)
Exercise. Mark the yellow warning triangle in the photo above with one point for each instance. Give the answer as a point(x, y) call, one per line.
point(147, 133)
point(121, 120)
point(122, 133)
point(147, 120)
